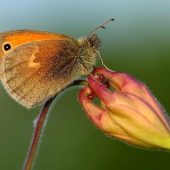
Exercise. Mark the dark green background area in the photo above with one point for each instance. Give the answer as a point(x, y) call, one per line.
point(137, 42)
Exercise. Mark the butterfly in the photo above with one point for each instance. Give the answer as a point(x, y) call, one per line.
point(37, 65)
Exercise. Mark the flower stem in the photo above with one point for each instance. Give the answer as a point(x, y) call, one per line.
point(37, 134)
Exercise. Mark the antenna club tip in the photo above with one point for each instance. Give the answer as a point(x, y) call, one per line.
point(112, 19)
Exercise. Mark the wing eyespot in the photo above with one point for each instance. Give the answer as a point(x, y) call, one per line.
point(6, 47)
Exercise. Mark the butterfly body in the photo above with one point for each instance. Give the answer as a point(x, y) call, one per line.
point(37, 65)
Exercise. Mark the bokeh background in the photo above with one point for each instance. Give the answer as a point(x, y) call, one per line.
point(137, 42)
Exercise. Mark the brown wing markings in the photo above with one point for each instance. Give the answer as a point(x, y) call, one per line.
point(19, 56)
point(26, 80)
point(33, 73)
point(38, 81)
point(65, 66)
point(2, 60)
point(23, 82)
point(26, 60)
point(40, 95)
point(35, 84)
point(34, 101)
point(17, 94)
point(10, 68)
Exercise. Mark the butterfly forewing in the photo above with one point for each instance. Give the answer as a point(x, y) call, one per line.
point(32, 72)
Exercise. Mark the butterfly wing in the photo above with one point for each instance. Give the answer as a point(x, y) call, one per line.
point(36, 71)
point(19, 37)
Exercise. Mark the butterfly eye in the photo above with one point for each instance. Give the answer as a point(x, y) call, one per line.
point(7, 47)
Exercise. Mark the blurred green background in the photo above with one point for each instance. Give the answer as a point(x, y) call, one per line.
point(137, 42)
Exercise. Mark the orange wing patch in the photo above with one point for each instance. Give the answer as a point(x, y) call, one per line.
point(28, 36)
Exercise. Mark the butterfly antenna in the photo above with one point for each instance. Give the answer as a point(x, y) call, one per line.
point(101, 26)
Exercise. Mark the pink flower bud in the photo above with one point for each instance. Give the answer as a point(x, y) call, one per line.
point(130, 113)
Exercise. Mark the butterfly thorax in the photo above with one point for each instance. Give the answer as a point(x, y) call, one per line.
point(87, 53)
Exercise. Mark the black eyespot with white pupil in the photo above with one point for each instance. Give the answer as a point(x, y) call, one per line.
point(7, 47)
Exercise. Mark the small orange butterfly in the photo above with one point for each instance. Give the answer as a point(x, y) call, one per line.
point(37, 65)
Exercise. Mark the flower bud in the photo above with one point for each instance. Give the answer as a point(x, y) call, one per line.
point(130, 113)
